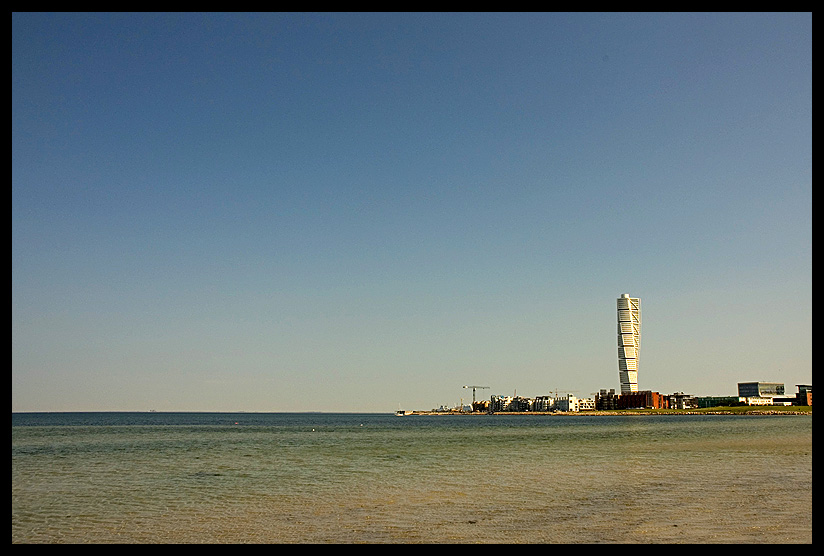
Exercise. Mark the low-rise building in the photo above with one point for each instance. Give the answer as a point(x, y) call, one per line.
point(717, 401)
point(756, 400)
point(482, 406)
point(643, 400)
point(586, 404)
point(679, 400)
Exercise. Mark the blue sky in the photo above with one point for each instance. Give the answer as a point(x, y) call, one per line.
point(356, 212)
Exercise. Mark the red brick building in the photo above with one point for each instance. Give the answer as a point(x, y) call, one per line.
point(645, 399)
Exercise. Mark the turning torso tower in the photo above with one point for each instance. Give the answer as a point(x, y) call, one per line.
point(629, 341)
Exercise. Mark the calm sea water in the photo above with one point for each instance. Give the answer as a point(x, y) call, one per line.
point(350, 478)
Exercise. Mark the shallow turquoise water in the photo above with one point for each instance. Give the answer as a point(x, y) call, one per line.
point(349, 478)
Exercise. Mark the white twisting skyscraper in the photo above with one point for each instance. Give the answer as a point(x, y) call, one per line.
point(629, 341)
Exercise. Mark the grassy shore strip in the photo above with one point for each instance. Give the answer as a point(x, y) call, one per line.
point(725, 410)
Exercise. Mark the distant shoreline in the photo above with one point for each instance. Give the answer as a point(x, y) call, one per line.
point(617, 413)
point(742, 410)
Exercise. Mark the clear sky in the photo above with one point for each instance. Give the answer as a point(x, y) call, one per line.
point(360, 212)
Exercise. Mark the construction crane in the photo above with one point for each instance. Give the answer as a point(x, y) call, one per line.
point(473, 392)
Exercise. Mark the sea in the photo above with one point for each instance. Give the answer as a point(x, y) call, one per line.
point(321, 478)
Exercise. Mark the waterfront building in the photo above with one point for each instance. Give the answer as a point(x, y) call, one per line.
point(804, 395)
point(761, 389)
point(680, 400)
point(715, 401)
point(629, 341)
point(517, 404)
point(480, 406)
point(606, 400)
point(567, 403)
point(521, 404)
point(500, 403)
point(586, 404)
point(756, 400)
point(642, 400)
point(543, 403)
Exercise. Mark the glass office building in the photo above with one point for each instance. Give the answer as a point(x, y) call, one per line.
point(760, 389)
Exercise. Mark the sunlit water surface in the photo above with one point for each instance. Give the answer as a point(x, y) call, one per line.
point(350, 478)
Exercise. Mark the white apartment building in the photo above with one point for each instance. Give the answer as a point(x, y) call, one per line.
point(567, 403)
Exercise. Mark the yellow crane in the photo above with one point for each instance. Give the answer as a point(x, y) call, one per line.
point(473, 392)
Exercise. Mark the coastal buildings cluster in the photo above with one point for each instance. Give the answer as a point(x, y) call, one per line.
point(749, 393)
point(629, 396)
